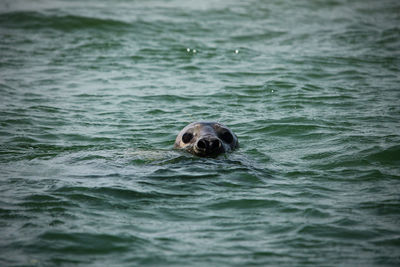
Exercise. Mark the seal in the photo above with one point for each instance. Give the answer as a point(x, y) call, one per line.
point(206, 139)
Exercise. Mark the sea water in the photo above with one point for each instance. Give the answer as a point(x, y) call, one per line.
point(93, 93)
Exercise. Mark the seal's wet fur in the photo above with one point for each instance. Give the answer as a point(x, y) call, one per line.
point(206, 139)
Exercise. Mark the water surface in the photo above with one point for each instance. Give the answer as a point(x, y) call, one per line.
point(93, 94)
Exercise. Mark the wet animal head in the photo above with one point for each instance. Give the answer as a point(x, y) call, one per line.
point(206, 139)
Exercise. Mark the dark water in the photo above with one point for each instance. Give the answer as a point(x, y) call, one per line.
point(93, 94)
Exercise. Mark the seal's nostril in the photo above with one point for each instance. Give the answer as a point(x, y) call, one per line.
point(215, 144)
point(208, 144)
point(202, 144)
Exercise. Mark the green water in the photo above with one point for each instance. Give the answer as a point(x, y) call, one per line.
point(93, 93)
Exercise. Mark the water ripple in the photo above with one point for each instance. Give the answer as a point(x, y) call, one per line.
point(93, 94)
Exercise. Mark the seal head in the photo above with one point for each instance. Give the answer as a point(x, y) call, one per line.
point(206, 139)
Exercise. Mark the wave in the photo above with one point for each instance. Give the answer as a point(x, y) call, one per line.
point(64, 22)
point(389, 155)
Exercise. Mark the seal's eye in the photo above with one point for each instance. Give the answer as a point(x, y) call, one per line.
point(227, 137)
point(186, 137)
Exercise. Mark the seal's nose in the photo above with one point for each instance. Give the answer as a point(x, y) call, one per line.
point(208, 144)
